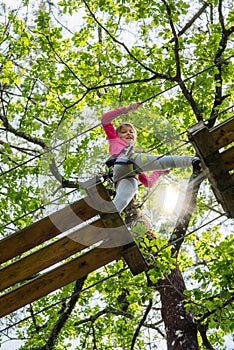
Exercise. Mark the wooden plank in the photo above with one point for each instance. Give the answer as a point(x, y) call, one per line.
point(57, 278)
point(223, 133)
point(228, 158)
point(52, 254)
point(45, 229)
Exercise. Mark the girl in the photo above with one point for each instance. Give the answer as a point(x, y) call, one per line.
point(129, 167)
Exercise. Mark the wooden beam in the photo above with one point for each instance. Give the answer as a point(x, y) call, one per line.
point(223, 133)
point(228, 158)
point(98, 196)
point(52, 254)
point(45, 229)
point(111, 218)
point(57, 278)
point(214, 163)
point(135, 260)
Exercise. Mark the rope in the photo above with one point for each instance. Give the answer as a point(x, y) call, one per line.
point(36, 209)
point(191, 77)
point(99, 124)
point(64, 299)
point(189, 233)
point(150, 150)
point(106, 278)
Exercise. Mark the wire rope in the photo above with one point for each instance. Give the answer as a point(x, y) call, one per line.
point(36, 209)
point(168, 140)
point(189, 233)
point(111, 276)
point(99, 124)
point(64, 299)
point(66, 194)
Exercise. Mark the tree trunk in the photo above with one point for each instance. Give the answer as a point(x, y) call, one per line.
point(180, 327)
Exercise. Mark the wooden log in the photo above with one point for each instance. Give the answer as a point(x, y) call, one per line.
point(52, 254)
point(57, 278)
point(45, 229)
point(201, 140)
point(228, 200)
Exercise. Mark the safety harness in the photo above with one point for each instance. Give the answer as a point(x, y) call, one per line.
point(112, 160)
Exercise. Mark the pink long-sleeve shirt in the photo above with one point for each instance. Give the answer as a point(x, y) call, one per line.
point(116, 144)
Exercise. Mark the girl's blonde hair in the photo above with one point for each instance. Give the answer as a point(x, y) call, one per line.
point(127, 124)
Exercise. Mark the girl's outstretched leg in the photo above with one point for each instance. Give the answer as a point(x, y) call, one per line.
point(146, 162)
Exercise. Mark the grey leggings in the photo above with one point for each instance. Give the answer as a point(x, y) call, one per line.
point(127, 187)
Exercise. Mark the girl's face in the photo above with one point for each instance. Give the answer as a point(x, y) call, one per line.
point(127, 133)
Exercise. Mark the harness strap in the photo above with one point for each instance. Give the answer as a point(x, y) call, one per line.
point(127, 151)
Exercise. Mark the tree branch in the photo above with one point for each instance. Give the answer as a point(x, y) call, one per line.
point(212, 312)
point(178, 78)
point(219, 98)
point(202, 330)
point(20, 133)
point(191, 21)
point(158, 75)
point(63, 62)
point(65, 313)
point(64, 182)
point(119, 312)
point(149, 307)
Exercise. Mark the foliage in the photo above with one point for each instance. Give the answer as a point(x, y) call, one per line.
point(62, 64)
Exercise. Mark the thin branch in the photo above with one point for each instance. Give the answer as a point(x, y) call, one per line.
point(191, 21)
point(219, 98)
point(20, 149)
point(141, 324)
point(176, 44)
point(119, 312)
point(187, 94)
point(65, 313)
point(62, 61)
point(159, 75)
point(212, 312)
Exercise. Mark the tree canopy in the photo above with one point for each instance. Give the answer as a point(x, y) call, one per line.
point(63, 63)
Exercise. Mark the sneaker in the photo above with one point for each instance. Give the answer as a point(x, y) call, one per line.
point(196, 164)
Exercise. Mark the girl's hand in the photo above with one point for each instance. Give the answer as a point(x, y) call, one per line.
point(133, 106)
point(166, 172)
